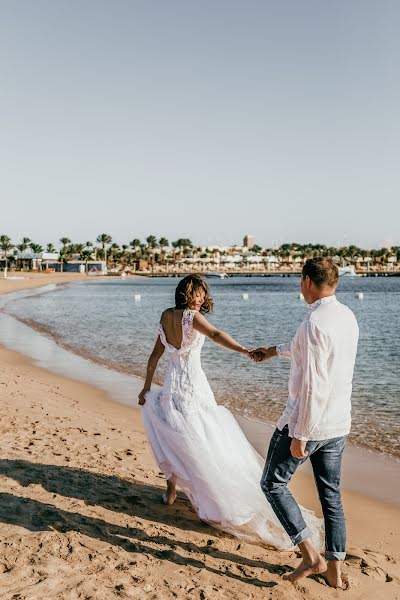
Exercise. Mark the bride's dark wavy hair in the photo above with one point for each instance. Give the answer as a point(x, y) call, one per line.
point(185, 293)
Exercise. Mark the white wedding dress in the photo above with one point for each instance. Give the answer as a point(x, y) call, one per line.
point(200, 444)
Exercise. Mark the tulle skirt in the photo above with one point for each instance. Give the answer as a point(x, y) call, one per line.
point(210, 459)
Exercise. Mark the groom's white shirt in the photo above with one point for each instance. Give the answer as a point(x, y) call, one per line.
point(322, 354)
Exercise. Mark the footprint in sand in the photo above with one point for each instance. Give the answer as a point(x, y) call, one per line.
point(375, 572)
point(374, 564)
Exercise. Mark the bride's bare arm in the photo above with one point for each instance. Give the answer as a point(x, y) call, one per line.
point(201, 324)
point(152, 363)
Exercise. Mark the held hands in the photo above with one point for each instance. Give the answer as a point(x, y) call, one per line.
point(142, 395)
point(261, 354)
point(244, 351)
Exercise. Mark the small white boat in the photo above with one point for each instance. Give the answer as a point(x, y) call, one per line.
point(218, 275)
point(348, 271)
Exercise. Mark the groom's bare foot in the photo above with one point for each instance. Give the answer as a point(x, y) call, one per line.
point(305, 569)
point(332, 575)
point(312, 564)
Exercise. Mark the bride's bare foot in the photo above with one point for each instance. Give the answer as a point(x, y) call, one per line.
point(312, 564)
point(170, 497)
point(305, 569)
point(332, 575)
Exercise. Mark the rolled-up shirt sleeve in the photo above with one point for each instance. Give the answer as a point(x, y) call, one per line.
point(314, 392)
point(284, 350)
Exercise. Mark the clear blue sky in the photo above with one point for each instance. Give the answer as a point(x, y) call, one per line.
point(200, 119)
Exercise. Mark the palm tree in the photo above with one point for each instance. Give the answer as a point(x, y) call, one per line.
point(62, 258)
point(381, 256)
point(175, 246)
point(124, 255)
point(163, 243)
point(115, 253)
point(104, 239)
point(152, 244)
point(36, 248)
point(50, 248)
point(152, 241)
point(136, 247)
point(24, 244)
point(63, 252)
point(184, 243)
point(76, 248)
point(90, 245)
point(6, 245)
point(86, 255)
point(65, 241)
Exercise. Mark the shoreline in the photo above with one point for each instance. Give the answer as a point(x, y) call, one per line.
point(81, 516)
point(157, 380)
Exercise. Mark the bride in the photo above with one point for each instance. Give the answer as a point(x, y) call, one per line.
point(198, 444)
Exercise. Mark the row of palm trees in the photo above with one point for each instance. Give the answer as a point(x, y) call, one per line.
point(153, 249)
point(158, 250)
point(348, 253)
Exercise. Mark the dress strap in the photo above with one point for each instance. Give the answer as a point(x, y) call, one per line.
point(187, 325)
point(163, 338)
point(161, 333)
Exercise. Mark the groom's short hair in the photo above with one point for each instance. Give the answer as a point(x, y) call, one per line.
point(322, 271)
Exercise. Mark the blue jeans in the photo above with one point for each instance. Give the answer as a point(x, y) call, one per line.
point(326, 459)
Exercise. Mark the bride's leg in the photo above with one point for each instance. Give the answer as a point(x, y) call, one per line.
point(170, 496)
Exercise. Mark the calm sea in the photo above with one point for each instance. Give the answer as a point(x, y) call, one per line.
point(114, 322)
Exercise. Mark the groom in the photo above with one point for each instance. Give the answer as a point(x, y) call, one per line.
point(316, 420)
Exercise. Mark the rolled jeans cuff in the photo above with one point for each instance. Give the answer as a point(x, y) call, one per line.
point(335, 555)
point(300, 537)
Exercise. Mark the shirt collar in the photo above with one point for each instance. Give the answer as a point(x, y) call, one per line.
point(317, 303)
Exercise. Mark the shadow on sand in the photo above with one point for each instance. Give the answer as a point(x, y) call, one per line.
point(118, 495)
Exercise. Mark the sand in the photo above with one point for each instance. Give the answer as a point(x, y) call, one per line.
point(81, 517)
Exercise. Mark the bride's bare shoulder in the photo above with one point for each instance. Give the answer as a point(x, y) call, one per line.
point(198, 316)
point(199, 320)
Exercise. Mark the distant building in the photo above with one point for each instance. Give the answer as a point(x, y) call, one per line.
point(75, 266)
point(29, 255)
point(49, 261)
point(28, 260)
point(248, 241)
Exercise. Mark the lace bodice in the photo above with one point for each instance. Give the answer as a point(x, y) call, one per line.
point(185, 383)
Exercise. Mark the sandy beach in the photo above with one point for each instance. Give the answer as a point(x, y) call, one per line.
point(81, 515)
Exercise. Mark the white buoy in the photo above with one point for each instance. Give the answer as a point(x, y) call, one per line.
point(138, 297)
point(301, 297)
point(245, 296)
point(360, 295)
